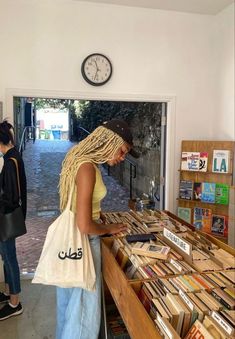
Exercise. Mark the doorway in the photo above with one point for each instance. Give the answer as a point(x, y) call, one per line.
point(60, 119)
point(152, 136)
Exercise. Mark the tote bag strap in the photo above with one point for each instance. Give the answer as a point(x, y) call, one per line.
point(72, 189)
point(70, 198)
point(18, 178)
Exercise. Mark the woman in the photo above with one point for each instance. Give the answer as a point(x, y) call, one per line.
point(78, 310)
point(9, 200)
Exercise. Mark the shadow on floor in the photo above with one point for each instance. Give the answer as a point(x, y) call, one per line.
point(38, 319)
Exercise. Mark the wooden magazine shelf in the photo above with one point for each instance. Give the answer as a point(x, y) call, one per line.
point(216, 208)
point(192, 176)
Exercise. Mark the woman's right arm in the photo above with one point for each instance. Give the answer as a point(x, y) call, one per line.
point(85, 181)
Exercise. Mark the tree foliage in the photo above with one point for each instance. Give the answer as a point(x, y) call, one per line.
point(40, 103)
point(144, 118)
point(93, 113)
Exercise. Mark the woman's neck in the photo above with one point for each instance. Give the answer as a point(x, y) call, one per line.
point(6, 148)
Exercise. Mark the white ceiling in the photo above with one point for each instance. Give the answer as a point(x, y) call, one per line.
point(191, 6)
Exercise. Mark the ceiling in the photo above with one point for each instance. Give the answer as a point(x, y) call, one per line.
point(191, 6)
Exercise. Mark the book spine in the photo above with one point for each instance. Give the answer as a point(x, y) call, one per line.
point(221, 300)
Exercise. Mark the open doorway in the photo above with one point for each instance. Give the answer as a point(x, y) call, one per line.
point(144, 176)
point(66, 119)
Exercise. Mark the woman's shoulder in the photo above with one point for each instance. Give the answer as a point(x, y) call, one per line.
point(86, 163)
point(86, 167)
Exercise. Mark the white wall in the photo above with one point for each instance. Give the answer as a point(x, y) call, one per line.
point(154, 54)
point(224, 126)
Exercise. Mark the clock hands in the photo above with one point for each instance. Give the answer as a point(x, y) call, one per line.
point(97, 70)
point(96, 65)
point(95, 74)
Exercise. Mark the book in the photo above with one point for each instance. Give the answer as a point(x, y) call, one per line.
point(208, 300)
point(122, 257)
point(198, 330)
point(165, 326)
point(179, 309)
point(202, 218)
point(221, 194)
point(223, 298)
point(145, 297)
point(208, 192)
point(190, 161)
point(214, 328)
point(229, 316)
point(197, 191)
point(143, 237)
point(187, 316)
point(203, 161)
point(151, 250)
point(185, 214)
point(186, 189)
point(219, 225)
point(220, 162)
point(130, 267)
point(229, 275)
point(174, 314)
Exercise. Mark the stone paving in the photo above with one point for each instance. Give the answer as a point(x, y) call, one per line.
point(43, 163)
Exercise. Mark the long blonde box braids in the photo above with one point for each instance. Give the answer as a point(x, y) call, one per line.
point(98, 147)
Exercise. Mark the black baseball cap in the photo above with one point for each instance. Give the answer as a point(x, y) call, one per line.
point(121, 128)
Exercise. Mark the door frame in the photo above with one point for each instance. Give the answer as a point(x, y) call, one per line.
point(170, 100)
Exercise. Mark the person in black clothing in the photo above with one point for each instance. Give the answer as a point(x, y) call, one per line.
point(9, 200)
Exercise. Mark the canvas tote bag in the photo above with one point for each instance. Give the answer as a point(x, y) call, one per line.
point(66, 258)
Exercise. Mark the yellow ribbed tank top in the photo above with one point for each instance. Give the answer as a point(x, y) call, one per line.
point(99, 193)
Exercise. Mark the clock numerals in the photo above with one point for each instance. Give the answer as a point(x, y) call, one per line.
point(96, 69)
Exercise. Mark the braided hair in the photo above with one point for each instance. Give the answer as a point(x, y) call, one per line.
point(97, 148)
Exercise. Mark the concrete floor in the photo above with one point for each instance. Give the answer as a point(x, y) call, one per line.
point(38, 319)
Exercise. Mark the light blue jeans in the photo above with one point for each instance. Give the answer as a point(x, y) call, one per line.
point(78, 310)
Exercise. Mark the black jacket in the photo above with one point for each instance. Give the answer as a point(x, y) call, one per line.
point(9, 193)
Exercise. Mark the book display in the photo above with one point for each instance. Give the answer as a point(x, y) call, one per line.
point(206, 175)
point(186, 289)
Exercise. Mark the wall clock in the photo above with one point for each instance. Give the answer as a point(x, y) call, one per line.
point(96, 69)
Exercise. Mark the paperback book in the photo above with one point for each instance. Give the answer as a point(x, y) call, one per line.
point(185, 214)
point(186, 189)
point(221, 159)
point(202, 218)
point(197, 191)
point(203, 161)
point(219, 225)
point(208, 192)
point(222, 194)
point(198, 330)
point(151, 250)
point(190, 161)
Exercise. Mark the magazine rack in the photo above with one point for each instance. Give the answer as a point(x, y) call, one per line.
point(208, 176)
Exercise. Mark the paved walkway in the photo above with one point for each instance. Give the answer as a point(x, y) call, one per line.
point(43, 163)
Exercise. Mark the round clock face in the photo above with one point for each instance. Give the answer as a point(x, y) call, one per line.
point(96, 69)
